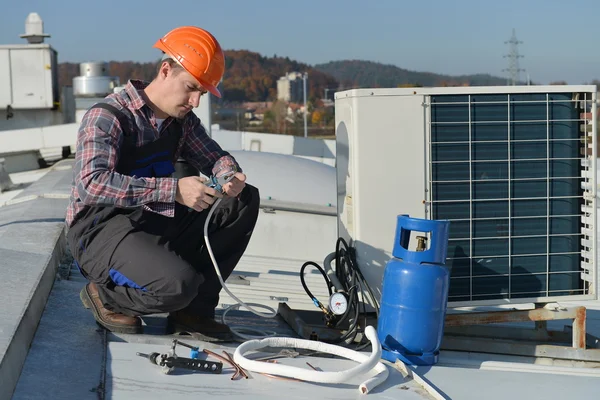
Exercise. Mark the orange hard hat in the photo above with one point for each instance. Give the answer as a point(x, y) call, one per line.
point(198, 52)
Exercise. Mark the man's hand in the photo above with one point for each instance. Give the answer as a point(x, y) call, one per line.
point(192, 192)
point(235, 186)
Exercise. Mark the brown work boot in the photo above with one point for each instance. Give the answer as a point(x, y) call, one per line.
point(200, 328)
point(112, 321)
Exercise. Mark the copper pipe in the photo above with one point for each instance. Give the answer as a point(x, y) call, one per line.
point(307, 363)
point(283, 378)
point(238, 369)
point(236, 364)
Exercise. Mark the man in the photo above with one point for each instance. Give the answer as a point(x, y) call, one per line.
point(135, 227)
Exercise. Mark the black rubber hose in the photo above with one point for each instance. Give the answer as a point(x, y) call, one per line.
point(306, 289)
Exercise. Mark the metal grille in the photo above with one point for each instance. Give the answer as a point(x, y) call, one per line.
point(514, 175)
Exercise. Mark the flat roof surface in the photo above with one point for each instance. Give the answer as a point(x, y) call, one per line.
point(69, 357)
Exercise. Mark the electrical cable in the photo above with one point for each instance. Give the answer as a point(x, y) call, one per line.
point(347, 272)
point(351, 259)
point(234, 329)
point(348, 255)
point(367, 363)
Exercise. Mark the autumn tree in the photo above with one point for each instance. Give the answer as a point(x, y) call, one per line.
point(328, 116)
point(275, 118)
point(248, 75)
point(317, 117)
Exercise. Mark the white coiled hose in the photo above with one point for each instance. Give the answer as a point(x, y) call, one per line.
point(367, 363)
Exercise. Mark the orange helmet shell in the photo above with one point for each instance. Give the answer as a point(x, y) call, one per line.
point(198, 52)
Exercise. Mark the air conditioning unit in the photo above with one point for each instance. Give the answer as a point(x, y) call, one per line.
point(513, 168)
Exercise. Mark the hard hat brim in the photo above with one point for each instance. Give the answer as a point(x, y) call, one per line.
point(211, 88)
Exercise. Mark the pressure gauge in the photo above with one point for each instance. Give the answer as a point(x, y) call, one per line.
point(338, 303)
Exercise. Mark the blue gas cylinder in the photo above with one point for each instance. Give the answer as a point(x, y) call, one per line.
point(414, 294)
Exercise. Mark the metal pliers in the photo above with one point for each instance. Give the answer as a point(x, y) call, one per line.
point(217, 182)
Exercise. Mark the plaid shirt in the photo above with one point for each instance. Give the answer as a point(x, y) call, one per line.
point(95, 182)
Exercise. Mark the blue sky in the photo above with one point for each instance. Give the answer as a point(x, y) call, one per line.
point(561, 39)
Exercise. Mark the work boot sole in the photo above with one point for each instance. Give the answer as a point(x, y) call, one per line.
point(89, 304)
point(179, 329)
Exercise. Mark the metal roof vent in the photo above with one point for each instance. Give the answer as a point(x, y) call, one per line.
point(94, 80)
point(34, 29)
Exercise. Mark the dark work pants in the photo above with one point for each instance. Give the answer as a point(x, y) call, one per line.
point(166, 258)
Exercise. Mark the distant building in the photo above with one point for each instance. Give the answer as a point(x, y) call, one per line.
point(289, 87)
point(255, 111)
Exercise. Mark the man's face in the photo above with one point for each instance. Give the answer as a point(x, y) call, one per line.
point(182, 93)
